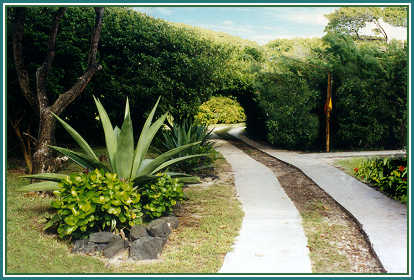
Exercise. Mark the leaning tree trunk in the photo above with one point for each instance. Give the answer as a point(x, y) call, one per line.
point(382, 30)
point(43, 160)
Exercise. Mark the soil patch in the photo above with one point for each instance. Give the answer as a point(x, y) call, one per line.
point(335, 240)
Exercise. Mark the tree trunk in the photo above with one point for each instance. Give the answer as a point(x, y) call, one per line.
point(25, 146)
point(43, 160)
point(382, 30)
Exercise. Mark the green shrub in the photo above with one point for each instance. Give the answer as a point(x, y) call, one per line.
point(184, 133)
point(287, 103)
point(159, 198)
point(220, 109)
point(389, 175)
point(94, 201)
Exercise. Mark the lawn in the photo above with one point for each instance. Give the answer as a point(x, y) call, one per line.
point(348, 165)
point(209, 222)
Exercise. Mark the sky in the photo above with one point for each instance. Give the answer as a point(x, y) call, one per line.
point(260, 24)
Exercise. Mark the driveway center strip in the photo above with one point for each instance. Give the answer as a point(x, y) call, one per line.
point(381, 218)
point(271, 238)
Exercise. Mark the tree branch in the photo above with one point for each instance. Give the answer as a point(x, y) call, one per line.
point(381, 29)
point(66, 98)
point(22, 73)
point(69, 96)
point(99, 11)
point(43, 70)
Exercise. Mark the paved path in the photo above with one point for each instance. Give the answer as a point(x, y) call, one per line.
point(356, 154)
point(382, 219)
point(271, 239)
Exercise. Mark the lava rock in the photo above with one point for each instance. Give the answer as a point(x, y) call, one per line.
point(159, 228)
point(138, 231)
point(146, 248)
point(79, 245)
point(103, 237)
point(84, 246)
point(172, 221)
point(100, 246)
point(114, 248)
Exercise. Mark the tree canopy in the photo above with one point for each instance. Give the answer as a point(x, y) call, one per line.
point(350, 20)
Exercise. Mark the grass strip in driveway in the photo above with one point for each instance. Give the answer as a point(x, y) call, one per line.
point(335, 241)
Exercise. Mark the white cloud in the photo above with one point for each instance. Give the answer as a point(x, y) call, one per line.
point(164, 11)
point(271, 28)
point(227, 22)
point(309, 18)
point(302, 15)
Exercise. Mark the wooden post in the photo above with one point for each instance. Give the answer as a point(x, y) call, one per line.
point(328, 112)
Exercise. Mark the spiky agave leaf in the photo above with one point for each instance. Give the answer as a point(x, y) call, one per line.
point(41, 186)
point(78, 138)
point(47, 176)
point(110, 134)
point(162, 158)
point(141, 149)
point(124, 155)
point(81, 159)
point(175, 160)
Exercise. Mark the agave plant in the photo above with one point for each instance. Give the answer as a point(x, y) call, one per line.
point(131, 165)
point(186, 132)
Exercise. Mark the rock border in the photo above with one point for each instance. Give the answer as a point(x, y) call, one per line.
point(143, 243)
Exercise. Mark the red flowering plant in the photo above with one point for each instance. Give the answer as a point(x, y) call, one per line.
point(388, 175)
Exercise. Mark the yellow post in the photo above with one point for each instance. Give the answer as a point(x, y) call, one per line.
point(328, 108)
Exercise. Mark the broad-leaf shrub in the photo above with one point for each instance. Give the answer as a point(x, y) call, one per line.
point(159, 198)
point(220, 109)
point(389, 175)
point(98, 200)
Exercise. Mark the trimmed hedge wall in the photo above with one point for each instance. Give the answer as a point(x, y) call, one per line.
point(369, 97)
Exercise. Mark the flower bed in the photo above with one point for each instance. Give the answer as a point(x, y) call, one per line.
point(388, 175)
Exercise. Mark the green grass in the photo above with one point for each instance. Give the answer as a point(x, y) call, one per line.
point(349, 164)
point(29, 250)
point(209, 222)
point(320, 233)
